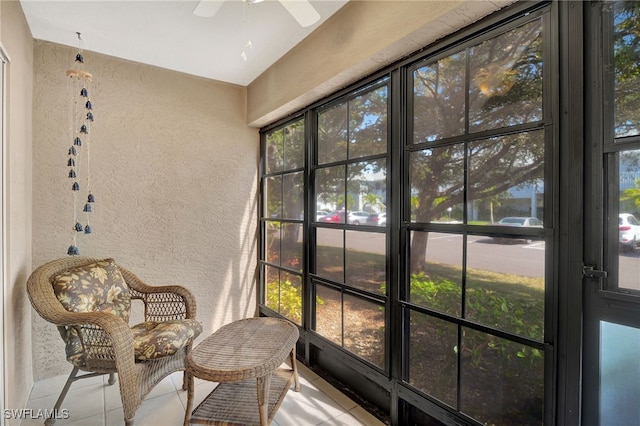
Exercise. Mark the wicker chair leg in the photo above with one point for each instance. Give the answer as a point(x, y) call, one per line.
point(72, 377)
point(112, 378)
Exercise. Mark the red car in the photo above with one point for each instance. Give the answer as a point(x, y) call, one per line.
point(334, 217)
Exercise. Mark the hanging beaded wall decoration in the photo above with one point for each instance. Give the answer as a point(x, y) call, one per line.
point(79, 130)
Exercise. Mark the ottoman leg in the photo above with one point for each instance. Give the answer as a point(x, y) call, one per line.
point(263, 398)
point(294, 367)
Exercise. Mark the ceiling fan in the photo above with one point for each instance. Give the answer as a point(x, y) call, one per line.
point(301, 10)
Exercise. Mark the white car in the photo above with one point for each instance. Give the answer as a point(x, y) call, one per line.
point(629, 231)
point(532, 222)
point(357, 217)
point(519, 221)
point(320, 214)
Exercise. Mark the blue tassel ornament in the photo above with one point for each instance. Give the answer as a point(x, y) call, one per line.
point(88, 105)
point(72, 151)
point(89, 116)
point(83, 129)
point(87, 229)
point(78, 227)
point(71, 162)
point(90, 198)
point(84, 93)
point(77, 141)
point(75, 186)
point(72, 173)
point(73, 251)
point(79, 58)
point(87, 208)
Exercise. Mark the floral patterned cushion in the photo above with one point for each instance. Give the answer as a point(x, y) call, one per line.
point(95, 287)
point(154, 340)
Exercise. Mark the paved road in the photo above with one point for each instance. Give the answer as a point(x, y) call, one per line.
point(517, 257)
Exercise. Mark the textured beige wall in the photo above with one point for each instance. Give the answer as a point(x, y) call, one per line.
point(174, 173)
point(18, 44)
point(362, 37)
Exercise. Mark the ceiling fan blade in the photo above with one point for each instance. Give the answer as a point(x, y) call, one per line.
point(302, 11)
point(207, 8)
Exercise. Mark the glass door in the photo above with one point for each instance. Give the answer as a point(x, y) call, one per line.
point(611, 373)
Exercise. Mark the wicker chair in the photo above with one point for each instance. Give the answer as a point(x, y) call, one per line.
point(104, 342)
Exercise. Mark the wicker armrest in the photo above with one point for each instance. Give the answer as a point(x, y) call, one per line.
point(106, 324)
point(161, 302)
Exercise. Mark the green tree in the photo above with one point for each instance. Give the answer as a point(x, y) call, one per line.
point(350, 130)
point(632, 194)
point(505, 89)
point(373, 201)
point(626, 60)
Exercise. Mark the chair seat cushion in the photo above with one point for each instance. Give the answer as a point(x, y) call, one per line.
point(153, 340)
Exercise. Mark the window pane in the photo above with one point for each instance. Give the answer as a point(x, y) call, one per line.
point(272, 288)
point(437, 283)
point(366, 190)
point(329, 254)
point(272, 242)
point(619, 374)
point(501, 382)
point(506, 79)
point(332, 134)
point(293, 194)
point(291, 244)
point(291, 296)
point(505, 285)
point(274, 152)
point(364, 329)
point(273, 197)
point(294, 145)
point(284, 293)
point(437, 184)
point(366, 261)
point(368, 123)
point(439, 99)
point(433, 360)
point(505, 178)
point(628, 221)
point(329, 314)
point(330, 192)
point(626, 46)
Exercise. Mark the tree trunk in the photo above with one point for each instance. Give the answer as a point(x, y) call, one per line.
point(419, 251)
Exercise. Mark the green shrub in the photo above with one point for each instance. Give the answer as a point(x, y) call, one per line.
point(286, 299)
point(514, 314)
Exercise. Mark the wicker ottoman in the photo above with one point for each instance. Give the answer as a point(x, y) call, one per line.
point(245, 358)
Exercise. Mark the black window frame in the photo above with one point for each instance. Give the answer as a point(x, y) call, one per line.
point(402, 398)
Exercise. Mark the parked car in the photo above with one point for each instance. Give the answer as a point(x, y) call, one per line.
point(333, 217)
point(533, 222)
point(320, 214)
point(357, 217)
point(629, 231)
point(377, 219)
point(518, 221)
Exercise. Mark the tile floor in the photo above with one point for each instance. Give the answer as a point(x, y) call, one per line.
point(91, 402)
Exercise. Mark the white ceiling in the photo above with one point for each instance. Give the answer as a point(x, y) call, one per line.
point(166, 33)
